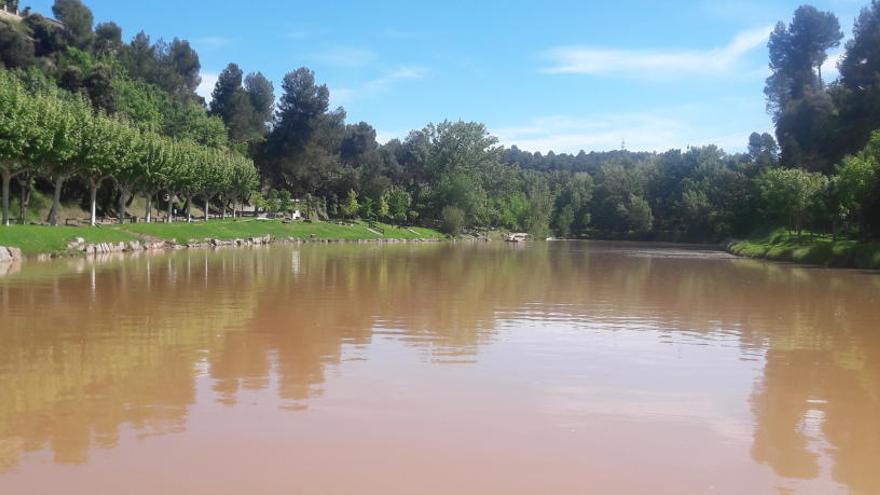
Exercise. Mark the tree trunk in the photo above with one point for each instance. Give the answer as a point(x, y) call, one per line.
point(7, 179)
point(93, 201)
point(207, 207)
point(56, 200)
point(24, 185)
point(170, 209)
point(234, 204)
point(123, 197)
point(149, 198)
point(189, 217)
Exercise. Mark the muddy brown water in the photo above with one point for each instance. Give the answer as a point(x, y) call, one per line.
point(563, 368)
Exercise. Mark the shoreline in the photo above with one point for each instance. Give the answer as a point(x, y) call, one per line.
point(779, 246)
point(818, 251)
point(24, 243)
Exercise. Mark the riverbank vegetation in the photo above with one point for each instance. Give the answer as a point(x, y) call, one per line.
point(823, 250)
point(67, 85)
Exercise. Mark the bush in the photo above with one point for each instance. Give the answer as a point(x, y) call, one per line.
point(452, 220)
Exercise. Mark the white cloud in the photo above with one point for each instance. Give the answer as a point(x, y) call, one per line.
point(829, 68)
point(213, 41)
point(654, 63)
point(206, 87)
point(378, 85)
point(656, 130)
point(346, 56)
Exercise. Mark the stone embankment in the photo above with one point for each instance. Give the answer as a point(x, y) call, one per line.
point(79, 245)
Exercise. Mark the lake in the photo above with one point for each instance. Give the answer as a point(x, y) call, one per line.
point(559, 367)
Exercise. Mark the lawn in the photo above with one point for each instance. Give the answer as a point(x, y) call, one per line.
point(42, 239)
point(782, 245)
point(37, 239)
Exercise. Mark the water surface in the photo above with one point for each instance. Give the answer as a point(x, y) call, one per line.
point(562, 368)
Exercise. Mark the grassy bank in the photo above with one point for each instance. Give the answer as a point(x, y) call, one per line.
point(45, 240)
point(823, 250)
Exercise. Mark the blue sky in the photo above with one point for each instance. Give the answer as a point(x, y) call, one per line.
point(561, 75)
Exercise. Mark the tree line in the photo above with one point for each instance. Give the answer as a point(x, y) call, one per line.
point(59, 135)
point(819, 172)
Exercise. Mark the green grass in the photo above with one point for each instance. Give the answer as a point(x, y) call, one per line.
point(782, 245)
point(36, 239)
point(228, 229)
point(42, 239)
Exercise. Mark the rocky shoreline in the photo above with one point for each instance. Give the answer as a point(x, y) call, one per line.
point(80, 247)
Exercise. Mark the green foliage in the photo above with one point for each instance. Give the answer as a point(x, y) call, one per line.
point(78, 21)
point(793, 196)
point(16, 47)
point(823, 250)
point(801, 108)
point(59, 135)
point(235, 105)
point(399, 202)
point(351, 207)
point(452, 220)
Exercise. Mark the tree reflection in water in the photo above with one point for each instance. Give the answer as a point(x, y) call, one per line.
point(88, 348)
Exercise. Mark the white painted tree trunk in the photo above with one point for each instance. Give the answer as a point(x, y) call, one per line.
point(93, 201)
point(149, 200)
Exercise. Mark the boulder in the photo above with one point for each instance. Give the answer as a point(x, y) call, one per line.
point(9, 254)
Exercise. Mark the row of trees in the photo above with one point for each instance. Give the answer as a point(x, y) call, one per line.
point(58, 136)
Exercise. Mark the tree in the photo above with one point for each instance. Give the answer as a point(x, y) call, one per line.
point(856, 185)
point(452, 220)
point(99, 88)
point(48, 39)
point(215, 176)
point(636, 213)
point(132, 160)
point(158, 171)
point(763, 150)
point(262, 96)
point(244, 180)
point(65, 120)
point(140, 58)
point(104, 144)
point(859, 92)
point(571, 210)
point(174, 66)
point(302, 150)
point(383, 209)
point(16, 48)
point(108, 39)
point(78, 21)
point(233, 104)
point(795, 92)
point(399, 202)
point(792, 196)
point(351, 207)
point(228, 83)
point(20, 140)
